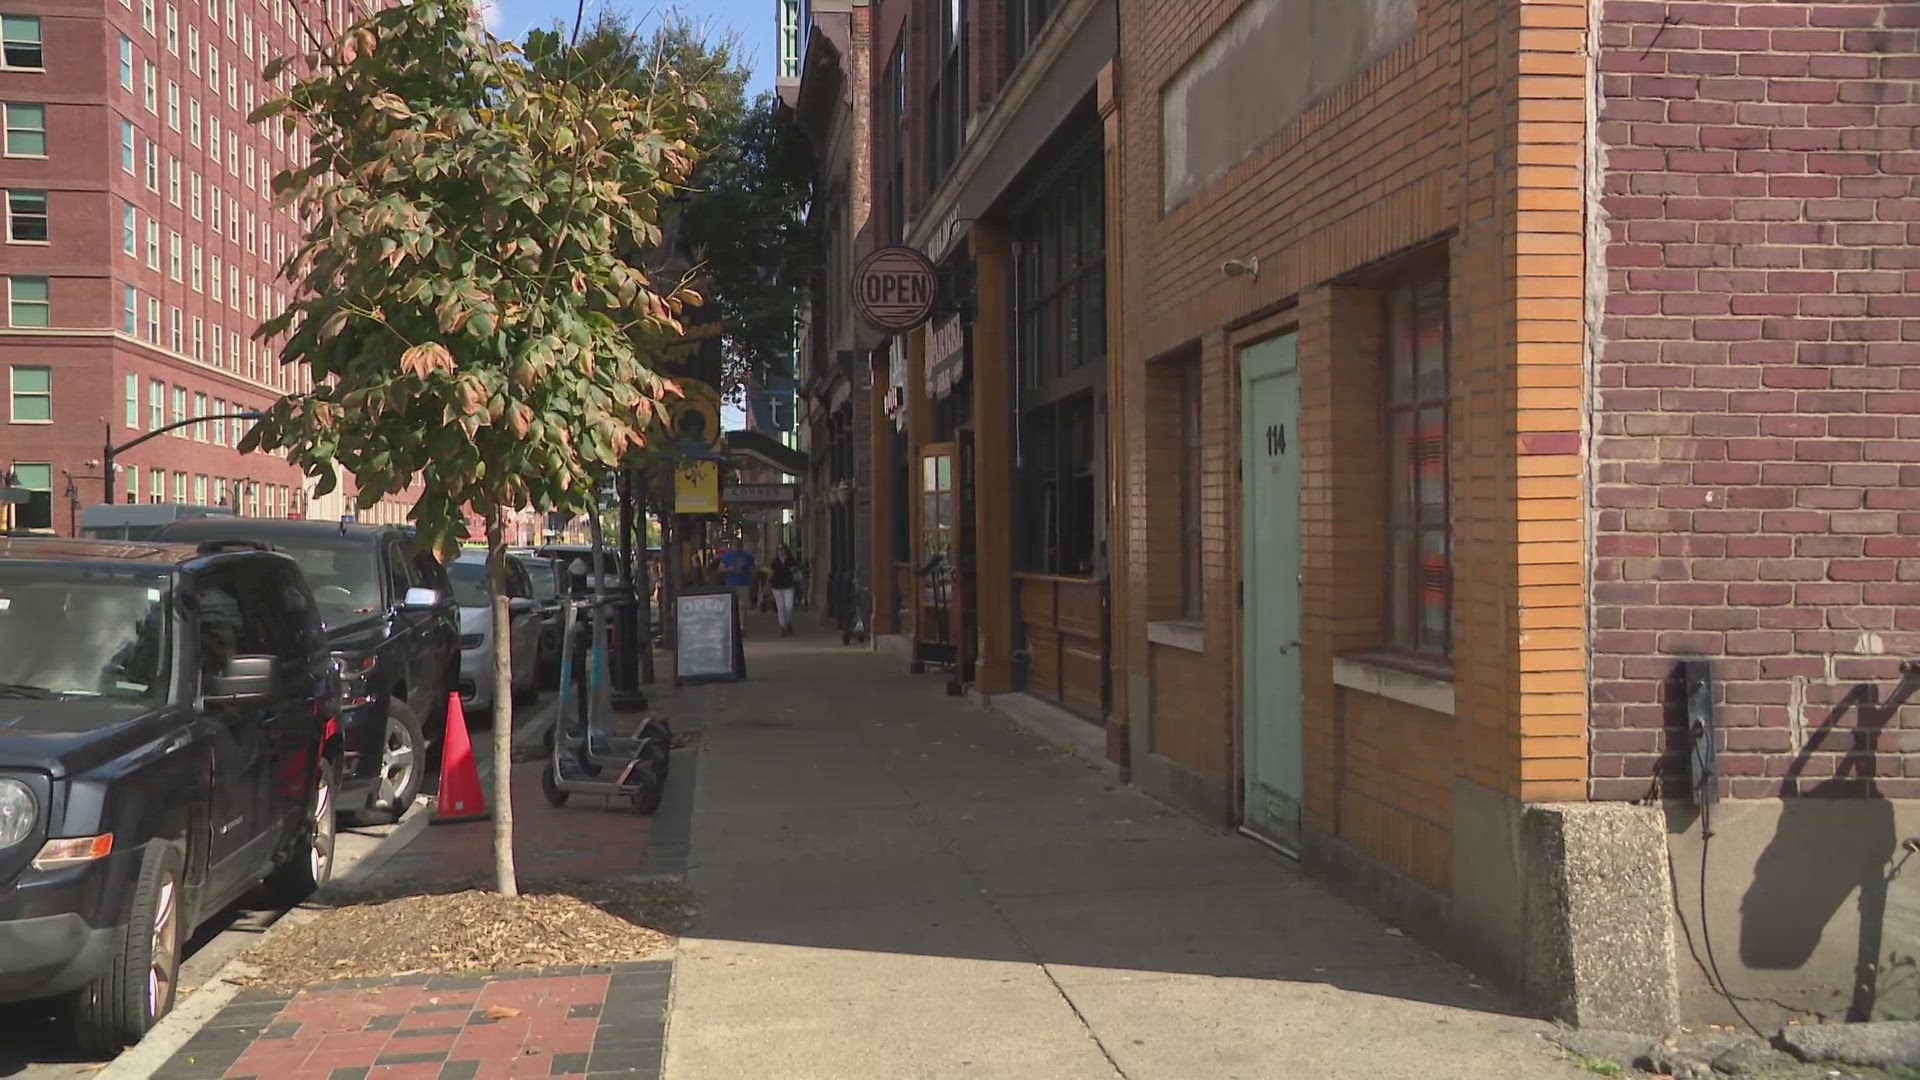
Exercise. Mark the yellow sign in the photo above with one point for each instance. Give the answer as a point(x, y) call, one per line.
point(695, 417)
point(696, 487)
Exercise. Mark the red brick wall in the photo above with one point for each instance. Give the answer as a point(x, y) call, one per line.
point(1758, 385)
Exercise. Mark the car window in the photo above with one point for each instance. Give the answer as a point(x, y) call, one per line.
point(345, 575)
point(469, 580)
point(230, 625)
point(427, 569)
point(400, 569)
point(296, 621)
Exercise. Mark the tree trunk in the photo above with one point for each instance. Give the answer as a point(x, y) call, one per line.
point(505, 881)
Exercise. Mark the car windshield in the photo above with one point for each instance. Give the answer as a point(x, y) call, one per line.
point(100, 633)
point(345, 577)
point(469, 582)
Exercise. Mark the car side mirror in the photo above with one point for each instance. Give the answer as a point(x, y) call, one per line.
point(521, 605)
point(245, 679)
point(419, 599)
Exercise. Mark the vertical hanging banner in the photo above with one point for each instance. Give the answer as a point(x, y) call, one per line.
point(696, 487)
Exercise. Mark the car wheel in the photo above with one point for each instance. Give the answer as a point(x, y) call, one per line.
point(402, 771)
point(310, 864)
point(550, 787)
point(137, 988)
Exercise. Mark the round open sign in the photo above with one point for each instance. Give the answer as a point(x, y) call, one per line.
point(895, 288)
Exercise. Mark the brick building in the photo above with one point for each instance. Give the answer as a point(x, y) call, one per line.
point(142, 248)
point(1382, 467)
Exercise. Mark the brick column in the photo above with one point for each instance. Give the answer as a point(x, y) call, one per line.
point(993, 458)
point(886, 604)
point(1119, 748)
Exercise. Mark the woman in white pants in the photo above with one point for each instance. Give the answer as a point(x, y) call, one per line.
point(780, 577)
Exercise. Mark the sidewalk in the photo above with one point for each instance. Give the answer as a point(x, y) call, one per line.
point(898, 884)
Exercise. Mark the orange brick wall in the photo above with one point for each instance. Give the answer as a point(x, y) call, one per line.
point(1467, 139)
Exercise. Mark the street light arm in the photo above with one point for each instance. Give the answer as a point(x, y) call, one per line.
point(111, 451)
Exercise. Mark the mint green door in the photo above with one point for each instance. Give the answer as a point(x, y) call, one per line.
point(1270, 548)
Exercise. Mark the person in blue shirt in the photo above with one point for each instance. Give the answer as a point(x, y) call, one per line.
point(736, 568)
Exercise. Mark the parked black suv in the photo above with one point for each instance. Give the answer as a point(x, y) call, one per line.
point(395, 634)
point(168, 740)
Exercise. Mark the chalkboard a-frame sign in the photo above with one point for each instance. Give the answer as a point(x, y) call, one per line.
point(707, 645)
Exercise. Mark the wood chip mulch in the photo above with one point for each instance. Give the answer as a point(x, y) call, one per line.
point(469, 929)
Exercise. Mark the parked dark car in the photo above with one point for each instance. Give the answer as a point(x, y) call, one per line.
point(168, 742)
point(395, 634)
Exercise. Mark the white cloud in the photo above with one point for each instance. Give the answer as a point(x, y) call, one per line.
point(489, 11)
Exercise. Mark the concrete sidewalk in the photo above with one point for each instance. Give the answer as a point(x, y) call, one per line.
point(897, 884)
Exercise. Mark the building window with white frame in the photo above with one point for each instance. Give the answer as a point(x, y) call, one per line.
point(173, 30)
point(150, 86)
point(29, 301)
point(146, 15)
point(199, 338)
point(220, 422)
point(173, 180)
point(20, 44)
point(174, 257)
point(156, 404)
point(194, 194)
point(153, 319)
point(130, 310)
point(133, 400)
point(176, 330)
point(26, 216)
point(213, 67)
point(173, 105)
point(126, 62)
point(31, 389)
point(153, 244)
point(128, 160)
point(156, 485)
point(37, 512)
point(193, 121)
point(180, 411)
point(193, 49)
point(23, 129)
point(200, 412)
point(153, 166)
point(219, 348)
point(196, 271)
point(180, 487)
point(200, 489)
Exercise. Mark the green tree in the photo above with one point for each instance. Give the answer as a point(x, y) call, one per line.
point(465, 304)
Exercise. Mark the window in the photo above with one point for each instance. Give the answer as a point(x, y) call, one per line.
point(200, 489)
point(150, 86)
point(25, 131)
point(194, 195)
point(173, 180)
point(133, 401)
point(28, 303)
point(126, 146)
point(250, 168)
point(193, 121)
point(219, 422)
point(233, 288)
point(246, 36)
point(199, 338)
point(146, 15)
point(153, 243)
point(26, 216)
point(253, 247)
point(213, 136)
point(947, 90)
point(230, 25)
point(126, 62)
point(233, 86)
point(20, 47)
point(153, 319)
point(130, 310)
point(253, 310)
point(213, 67)
point(129, 229)
point(233, 152)
point(173, 255)
point(233, 347)
point(173, 105)
point(219, 355)
point(180, 496)
point(200, 410)
point(214, 285)
point(32, 392)
point(1420, 550)
point(180, 410)
point(213, 197)
point(193, 49)
point(156, 485)
point(153, 166)
point(37, 511)
point(195, 270)
point(176, 330)
point(156, 405)
point(219, 491)
point(173, 30)
point(1192, 448)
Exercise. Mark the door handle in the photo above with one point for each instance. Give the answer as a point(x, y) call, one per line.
point(1289, 646)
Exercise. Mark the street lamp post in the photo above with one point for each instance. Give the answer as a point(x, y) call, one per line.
point(107, 470)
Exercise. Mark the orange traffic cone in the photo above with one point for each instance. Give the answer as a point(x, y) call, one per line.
point(461, 798)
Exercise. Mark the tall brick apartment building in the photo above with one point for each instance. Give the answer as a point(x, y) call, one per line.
point(1457, 402)
point(141, 249)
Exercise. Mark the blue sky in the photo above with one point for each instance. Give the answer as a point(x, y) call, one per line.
point(752, 19)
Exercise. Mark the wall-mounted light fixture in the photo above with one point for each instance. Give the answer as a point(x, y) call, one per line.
point(1247, 267)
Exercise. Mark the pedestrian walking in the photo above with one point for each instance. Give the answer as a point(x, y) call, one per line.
point(781, 575)
point(736, 566)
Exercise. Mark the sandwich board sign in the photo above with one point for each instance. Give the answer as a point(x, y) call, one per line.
point(706, 640)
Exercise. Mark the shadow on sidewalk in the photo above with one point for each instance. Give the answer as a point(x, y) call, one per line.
point(846, 805)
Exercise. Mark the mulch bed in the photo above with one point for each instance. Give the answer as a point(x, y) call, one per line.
point(465, 928)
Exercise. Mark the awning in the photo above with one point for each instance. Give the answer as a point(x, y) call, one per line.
point(763, 448)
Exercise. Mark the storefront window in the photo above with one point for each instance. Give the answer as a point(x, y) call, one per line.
point(1420, 560)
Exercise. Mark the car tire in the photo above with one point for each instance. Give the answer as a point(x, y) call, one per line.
point(403, 767)
point(137, 988)
point(309, 864)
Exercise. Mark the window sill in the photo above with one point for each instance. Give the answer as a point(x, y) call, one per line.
point(34, 423)
point(1412, 682)
point(1188, 634)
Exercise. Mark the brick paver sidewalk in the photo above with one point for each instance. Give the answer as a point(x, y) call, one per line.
point(607, 1021)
